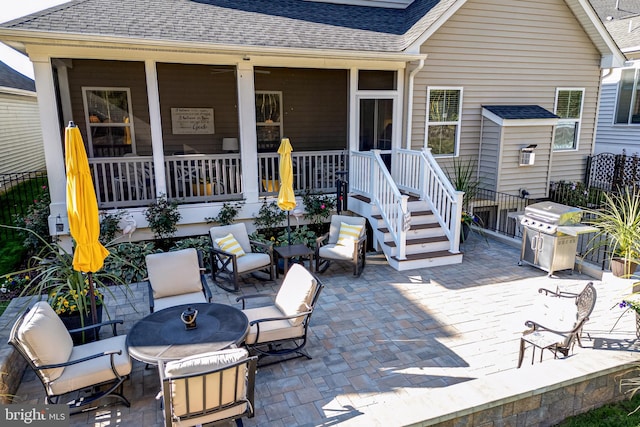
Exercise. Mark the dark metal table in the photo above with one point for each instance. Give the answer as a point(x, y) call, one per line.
point(163, 336)
point(293, 251)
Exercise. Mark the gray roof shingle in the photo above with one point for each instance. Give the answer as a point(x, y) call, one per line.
point(520, 112)
point(623, 23)
point(13, 79)
point(259, 23)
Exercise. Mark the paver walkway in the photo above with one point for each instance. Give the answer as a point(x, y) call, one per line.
point(386, 335)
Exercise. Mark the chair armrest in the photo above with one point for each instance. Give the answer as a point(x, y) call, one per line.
point(220, 251)
point(561, 294)
point(321, 239)
point(534, 326)
point(151, 300)
point(113, 324)
point(81, 360)
point(207, 291)
point(266, 247)
point(253, 296)
point(271, 319)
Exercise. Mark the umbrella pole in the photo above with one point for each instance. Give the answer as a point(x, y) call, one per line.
point(289, 226)
point(94, 310)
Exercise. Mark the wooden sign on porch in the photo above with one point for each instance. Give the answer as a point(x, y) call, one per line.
point(194, 121)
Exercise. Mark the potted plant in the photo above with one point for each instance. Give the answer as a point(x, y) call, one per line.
point(51, 274)
point(618, 224)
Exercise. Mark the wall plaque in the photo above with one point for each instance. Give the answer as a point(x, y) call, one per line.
point(194, 121)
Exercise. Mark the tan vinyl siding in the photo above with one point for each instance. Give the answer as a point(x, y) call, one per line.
point(95, 73)
point(489, 154)
point(21, 148)
point(532, 178)
point(511, 53)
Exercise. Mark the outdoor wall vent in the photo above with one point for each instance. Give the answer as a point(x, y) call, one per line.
point(527, 156)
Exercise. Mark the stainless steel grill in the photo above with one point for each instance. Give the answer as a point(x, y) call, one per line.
point(549, 239)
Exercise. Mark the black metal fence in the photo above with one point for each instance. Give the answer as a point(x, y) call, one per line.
point(609, 171)
point(17, 192)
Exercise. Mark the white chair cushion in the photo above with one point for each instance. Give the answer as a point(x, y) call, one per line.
point(229, 244)
point(349, 234)
point(270, 331)
point(96, 370)
point(239, 231)
point(337, 220)
point(337, 252)
point(555, 313)
point(200, 364)
point(172, 301)
point(46, 339)
point(296, 292)
point(174, 273)
point(250, 262)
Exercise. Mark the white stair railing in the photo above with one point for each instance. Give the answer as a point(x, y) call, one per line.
point(432, 185)
point(370, 177)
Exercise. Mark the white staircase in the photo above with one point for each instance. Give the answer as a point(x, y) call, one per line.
point(426, 243)
point(412, 231)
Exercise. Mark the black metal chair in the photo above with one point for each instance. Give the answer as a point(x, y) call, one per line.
point(208, 388)
point(176, 278)
point(100, 367)
point(280, 329)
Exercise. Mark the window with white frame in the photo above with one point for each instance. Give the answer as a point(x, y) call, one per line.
point(628, 105)
point(444, 117)
point(109, 121)
point(569, 110)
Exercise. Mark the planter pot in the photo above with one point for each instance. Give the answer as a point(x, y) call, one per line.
point(637, 325)
point(619, 267)
point(464, 232)
point(73, 321)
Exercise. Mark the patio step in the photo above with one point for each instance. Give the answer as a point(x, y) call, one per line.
point(425, 260)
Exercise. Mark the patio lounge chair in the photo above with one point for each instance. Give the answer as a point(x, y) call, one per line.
point(208, 388)
point(176, 278)
point(346, 242)
point(101, 366)
point(281, 329)
point(559, 322)
point(234, 254)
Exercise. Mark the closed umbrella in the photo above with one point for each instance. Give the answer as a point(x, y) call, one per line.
point(82, 210)
point(286, 197)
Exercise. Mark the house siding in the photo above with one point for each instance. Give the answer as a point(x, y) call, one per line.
point(612, 138)
point(21, 148)
point(489, 154)
point(500, 54)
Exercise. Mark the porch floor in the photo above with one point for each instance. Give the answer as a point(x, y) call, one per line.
point(401, 348)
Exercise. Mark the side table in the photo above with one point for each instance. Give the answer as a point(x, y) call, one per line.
point(293, 251)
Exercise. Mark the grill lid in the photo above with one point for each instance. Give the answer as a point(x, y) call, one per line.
point(553, 213)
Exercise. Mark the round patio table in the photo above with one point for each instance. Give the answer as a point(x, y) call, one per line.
point(162, 335)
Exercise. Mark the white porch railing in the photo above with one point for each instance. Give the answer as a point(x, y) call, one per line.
point(123, 181)
point(369, 176)
point(313, 171)
point(419, 173)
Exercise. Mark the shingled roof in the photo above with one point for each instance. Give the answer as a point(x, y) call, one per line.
point(622, 23)
point(258, 23)
point(520, 112)
point(13, 79)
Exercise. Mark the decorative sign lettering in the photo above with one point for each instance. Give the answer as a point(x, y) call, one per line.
point(192, 121)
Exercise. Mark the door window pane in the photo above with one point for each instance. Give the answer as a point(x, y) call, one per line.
point(376, 121)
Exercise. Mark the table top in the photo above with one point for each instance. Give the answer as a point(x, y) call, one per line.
point(162, 335)
point(293, 250)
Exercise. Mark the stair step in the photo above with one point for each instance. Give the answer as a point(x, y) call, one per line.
point(420, 241)
point(428, 255)
point(415, 227)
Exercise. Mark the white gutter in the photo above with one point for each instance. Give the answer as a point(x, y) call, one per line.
point(87, 41)
point(410, 102)
point(16, 91)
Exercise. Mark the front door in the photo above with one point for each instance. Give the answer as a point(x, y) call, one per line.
point(375, 126)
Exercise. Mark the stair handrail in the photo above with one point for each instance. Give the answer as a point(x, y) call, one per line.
point(392, 204)
point(445, 200)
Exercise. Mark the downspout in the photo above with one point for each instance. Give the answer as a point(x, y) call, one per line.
point(410, 102)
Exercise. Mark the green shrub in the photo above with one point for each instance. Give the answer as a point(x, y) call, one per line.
point(318, 209)
point(110, 225)
point(163, 217)
point(37, 221)
point(127, 260)
point(203, 243)
point(269, 220)
point(227, 215)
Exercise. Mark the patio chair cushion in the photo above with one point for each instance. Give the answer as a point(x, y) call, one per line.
point(274, 330)
point(174, 273)
point(94, 371)
point(295, 293)
point(172, 301)
point(560, 314)
point(228, 243)
point(335, 251)
point(336, 222)
point(349, 234)
point(46, 339)
point(239, 231)
point(251, 261)
point(192, 398)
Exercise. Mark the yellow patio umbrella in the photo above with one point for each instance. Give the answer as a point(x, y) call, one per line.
point(82, 210)
point(286, 197)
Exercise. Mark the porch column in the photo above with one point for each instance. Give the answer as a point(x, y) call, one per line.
point(248, 139)
point(52, 140)
point(155, 123)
